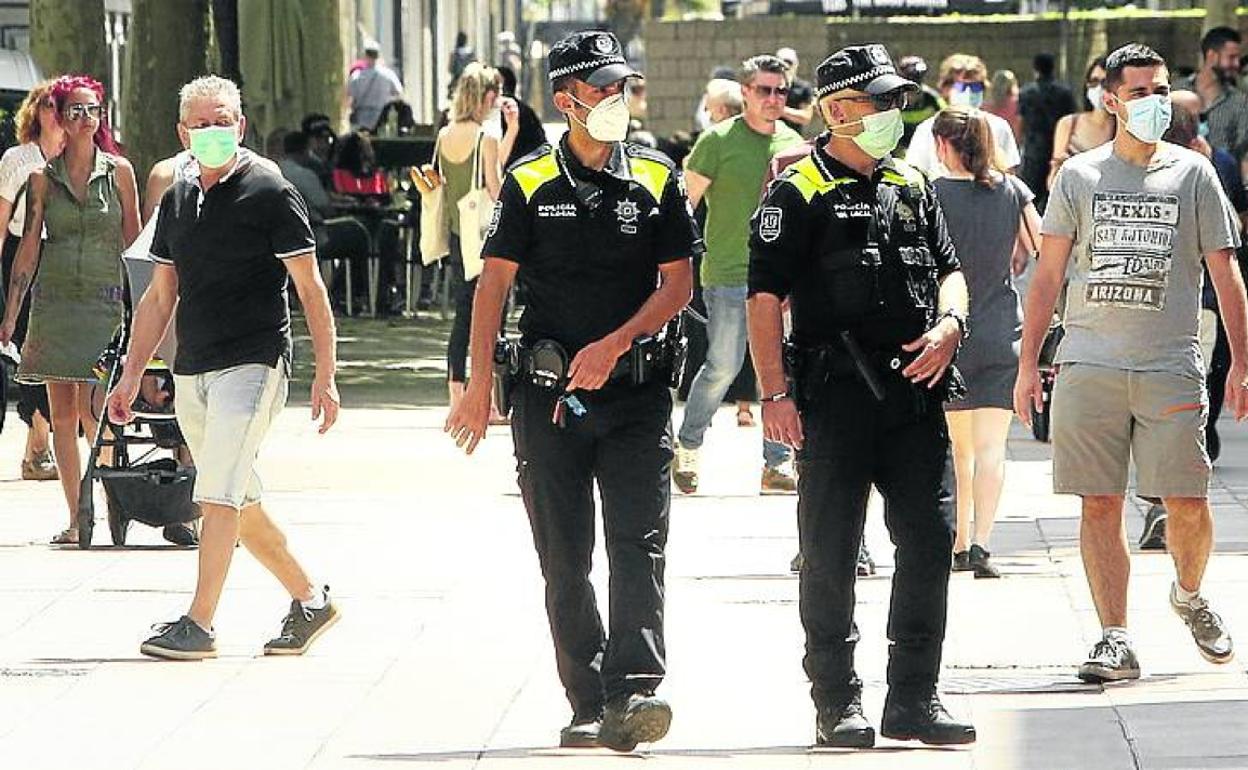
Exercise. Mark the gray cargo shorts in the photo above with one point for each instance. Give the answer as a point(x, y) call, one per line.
point(1105, 418)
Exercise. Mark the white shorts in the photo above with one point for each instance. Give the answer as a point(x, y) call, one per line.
point(224, 415)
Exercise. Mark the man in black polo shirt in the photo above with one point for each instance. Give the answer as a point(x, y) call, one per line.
point(229, 235)
point(591, 226)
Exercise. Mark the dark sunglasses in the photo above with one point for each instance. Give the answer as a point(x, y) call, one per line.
point(882, 102)
point(77, 112)
point(767, 92)
point(963, 86)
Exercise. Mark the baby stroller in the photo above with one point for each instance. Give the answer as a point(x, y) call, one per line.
point(150, 478)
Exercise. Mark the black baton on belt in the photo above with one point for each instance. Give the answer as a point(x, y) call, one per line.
point(863, 365)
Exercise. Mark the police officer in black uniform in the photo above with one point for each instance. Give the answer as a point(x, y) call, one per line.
point(856, 240)
point(591, 226)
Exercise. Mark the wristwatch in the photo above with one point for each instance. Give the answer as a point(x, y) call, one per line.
point(959, 318)
point(774, 397)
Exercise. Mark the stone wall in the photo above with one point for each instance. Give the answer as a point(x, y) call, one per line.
point(680, 55)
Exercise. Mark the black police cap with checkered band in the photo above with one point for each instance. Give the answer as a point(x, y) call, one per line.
point(592, 56)
point(865, 68)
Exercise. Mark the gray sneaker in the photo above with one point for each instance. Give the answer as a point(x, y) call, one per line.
point(182, 639)
point(301, 627)
point(638, 718)
point(1208, 630)
point(1111, 660)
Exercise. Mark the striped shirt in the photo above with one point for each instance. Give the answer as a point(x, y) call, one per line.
point(1227, 117)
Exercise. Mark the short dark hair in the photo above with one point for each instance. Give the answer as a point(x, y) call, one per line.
point(294, 143)
point(1130, 55)
point(1217, 37)
point(1044, 64)
point(762, 63)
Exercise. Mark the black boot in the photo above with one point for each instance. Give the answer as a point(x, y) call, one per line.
point(922, 717)
point(844, 726)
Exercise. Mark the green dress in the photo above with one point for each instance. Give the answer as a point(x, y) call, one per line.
point(76, 300)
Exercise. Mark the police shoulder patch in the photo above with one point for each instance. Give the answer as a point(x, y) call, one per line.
point(498, 213)
point(769, 219)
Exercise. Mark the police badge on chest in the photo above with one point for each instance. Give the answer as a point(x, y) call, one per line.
point(627, 212)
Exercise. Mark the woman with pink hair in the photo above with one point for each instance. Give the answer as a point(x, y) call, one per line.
point(87, 200)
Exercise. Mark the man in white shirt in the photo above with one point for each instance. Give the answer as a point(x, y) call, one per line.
point(371, 88)
point(962, 83)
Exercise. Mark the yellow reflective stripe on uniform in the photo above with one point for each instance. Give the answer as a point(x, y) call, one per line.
point(537, 172)
point(902, 174)
point(809, 181)
point(651, 175)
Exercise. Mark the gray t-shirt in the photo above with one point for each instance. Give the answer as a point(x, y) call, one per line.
point(1135, 273)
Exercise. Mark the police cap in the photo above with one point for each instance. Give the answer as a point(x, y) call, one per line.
point(592, 56)
point(866, 68)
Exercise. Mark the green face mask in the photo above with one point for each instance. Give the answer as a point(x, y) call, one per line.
point(213, 146)
point(881, 132)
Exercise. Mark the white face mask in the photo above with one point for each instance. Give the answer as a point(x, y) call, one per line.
point(1094, 97)
point(607, 120)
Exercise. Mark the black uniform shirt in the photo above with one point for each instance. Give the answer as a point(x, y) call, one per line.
point(856, 254)
point(227, 246)
point(589, 260)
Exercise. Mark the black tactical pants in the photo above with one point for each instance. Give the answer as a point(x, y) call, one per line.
point(902, 447)
point(624, 442)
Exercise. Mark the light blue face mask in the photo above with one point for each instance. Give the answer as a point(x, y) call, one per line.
point(1148, 117)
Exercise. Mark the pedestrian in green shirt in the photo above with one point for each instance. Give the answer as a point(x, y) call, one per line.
point(726, 168)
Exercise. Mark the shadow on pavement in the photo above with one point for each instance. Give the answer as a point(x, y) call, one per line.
point(556, 754)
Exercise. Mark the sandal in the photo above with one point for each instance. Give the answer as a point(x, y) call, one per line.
point(745, 418)
point(66, 537)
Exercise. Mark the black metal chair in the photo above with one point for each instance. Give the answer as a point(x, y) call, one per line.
point(348, 240)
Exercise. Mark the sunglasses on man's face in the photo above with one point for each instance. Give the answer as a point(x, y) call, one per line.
point(881, 102)
point(766, 92)
point(974, 87)
point(78, 112)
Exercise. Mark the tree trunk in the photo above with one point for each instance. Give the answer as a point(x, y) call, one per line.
point(292, 58)
point(225, 26)
point(68, 36)
point(168, 47)
point(325, 60)
point(1220, 13)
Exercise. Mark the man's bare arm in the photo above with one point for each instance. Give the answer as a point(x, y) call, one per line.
point(695, 186)
point(766, 328)
point(306, 276)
